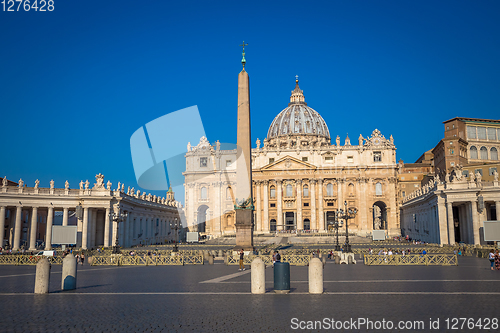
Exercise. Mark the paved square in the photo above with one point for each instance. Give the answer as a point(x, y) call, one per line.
point(217, 298)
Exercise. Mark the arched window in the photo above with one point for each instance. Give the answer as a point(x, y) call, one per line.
point(273, 192)
point(473, 153)
point(228, 193)
point(494, 154)
point(484, 153)
point(329, 190)
point(203, 193)
point(306, 191)
point(378, 189)
point(289, 190)
point(351, 189)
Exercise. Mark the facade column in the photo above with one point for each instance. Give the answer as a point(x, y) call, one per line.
point(85, 228)
point(279, 202)
point(258, 206)
point(106, 228)
point(266, 206)
point(321, 217)
point(48, 231)
point(114, 234)
point(441, 221)
point(2, 225)
point(475, 222)
point(65, 217)
point(17, 228)
point(33, 228)
point(451, 225)
point(497, 205)
point(298, 200)
point(313, 222)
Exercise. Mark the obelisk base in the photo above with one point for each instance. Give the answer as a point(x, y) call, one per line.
point(244, 229)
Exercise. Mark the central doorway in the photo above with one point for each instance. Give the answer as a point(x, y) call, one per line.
point(289, 221)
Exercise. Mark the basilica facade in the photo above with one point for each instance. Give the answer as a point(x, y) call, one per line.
point(299, 179)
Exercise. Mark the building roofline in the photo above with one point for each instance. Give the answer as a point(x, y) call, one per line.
point(473, 120)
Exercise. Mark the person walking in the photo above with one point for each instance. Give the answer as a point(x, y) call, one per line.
point(491, 257)
point(82, 258)
point(242, 267)
point(497, 260)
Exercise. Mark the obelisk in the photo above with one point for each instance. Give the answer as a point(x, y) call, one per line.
point(244, 201)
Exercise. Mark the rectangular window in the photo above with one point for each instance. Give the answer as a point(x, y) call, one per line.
point(479, 170)
point(306, 191)
point(451, 151)
point(415, 185)
point(329, 158)
point(492, 170)
point(415, 177)
point(329, 204)
point(228, 163)
point(350, 159)
point(404, 193)
point(492, 133)
point(306, 204)
point(471, 132)
point(481, 133)
point(273, 205)
point(304, 159)
point(203, 162)
point(377, 156)
point(402, 178)
point(271, 160)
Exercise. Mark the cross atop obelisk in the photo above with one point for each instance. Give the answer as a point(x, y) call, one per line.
point(244, 200)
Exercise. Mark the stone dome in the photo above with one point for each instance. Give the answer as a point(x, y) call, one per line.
point(298, 119)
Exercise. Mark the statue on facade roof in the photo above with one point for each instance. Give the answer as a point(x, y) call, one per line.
point(360, 140)
point(119, 186)
point(37, 182)
point(21, 183)
point(257, 143)
point(217, 145)
point(108, 185)
point(478, 177)
point(337, 140)
point(189, 146)
point(81, 184)
point(66, 185)
point(52, 183)
point(87, 184)
point(123, 187)
point(4, 181)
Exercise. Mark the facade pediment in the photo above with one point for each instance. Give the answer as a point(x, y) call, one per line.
point(288, 163)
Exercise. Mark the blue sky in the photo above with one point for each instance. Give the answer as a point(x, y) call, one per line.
point(77, 82)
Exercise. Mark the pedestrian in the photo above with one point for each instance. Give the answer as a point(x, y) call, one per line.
point(497, 260)
point(77, 258)
point(278, 257)
point(82, 258)
point(491, 257)
point(242, 267)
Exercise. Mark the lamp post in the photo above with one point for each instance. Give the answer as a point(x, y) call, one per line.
point(175, 226)
point(346, 215)
point(337, 225)
point(120, 217)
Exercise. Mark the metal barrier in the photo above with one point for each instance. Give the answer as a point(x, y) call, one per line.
point(297, 260)
point(411, 259)
point(19, 259)
point(125, 260)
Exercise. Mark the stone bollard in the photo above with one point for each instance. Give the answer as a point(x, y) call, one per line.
point(258, 276)
point(337, 259)
point(68, 281)
point(42, 276)
point(220, 253)
point(320, 255)
point(210, 260)
point(323, 260)
point(361, 256)
point(315, 276)
point(225, 259)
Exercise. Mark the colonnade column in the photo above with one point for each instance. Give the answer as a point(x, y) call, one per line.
point(65, 217)
point(475, 222)
point(300, 221)
point(85, 228)
point(33, 228)
point(320, 211)
point(126, 242)
point(451, 226)
point(93, 226)
point(106, 228)
point(313, 222)
point(258, 206)
point(497, 206)
point(48, 231)
point(279, 192)
point(2, 225)
point(114, 233)
point(17, 228)
point(266, 206)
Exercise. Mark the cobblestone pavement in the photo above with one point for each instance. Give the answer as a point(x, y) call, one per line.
point(183, 299)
